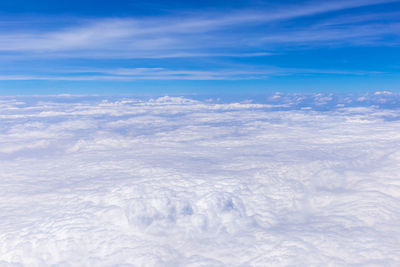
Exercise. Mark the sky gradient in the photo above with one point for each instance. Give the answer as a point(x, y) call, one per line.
point(163, 47)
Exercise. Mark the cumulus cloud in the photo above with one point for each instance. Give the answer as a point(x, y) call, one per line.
point(172, 181)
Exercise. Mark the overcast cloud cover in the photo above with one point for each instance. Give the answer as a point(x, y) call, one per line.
point(304, 180)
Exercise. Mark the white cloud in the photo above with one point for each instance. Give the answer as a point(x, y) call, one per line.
point(132, 74)
point(173, 181)
point(383, 93)
point(200, 34)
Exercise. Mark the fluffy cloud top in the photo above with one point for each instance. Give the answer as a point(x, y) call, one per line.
point(89, 181)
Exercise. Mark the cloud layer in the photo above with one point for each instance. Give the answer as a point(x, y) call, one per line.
point(95, 181)
point(205, 33)
point(260, 44)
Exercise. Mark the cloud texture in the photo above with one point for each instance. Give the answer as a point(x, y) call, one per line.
point(199, 34)
point(89, 181)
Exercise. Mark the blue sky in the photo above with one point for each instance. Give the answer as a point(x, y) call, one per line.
point(132, 47)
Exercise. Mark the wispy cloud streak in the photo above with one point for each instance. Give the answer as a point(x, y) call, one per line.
point(229, 45)
point(189, 36)
point(126, 74)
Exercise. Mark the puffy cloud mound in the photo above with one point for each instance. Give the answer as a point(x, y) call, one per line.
point(92, 181)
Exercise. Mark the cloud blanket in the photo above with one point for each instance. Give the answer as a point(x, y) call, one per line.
point(171, 181)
